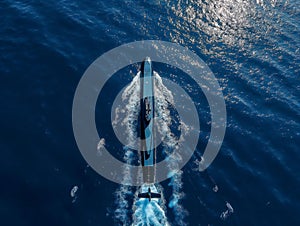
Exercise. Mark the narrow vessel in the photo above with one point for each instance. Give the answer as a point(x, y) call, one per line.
point(147, 134)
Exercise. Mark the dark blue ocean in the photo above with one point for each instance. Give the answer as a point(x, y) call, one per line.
point(253, 49)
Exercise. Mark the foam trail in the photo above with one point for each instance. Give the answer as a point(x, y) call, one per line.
point(125, 193)
point(163, 99)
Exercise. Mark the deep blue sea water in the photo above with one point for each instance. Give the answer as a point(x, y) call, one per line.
point(253, 49)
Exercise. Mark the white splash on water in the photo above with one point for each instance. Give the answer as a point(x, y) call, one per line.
point(101, 144)
point(224, 215)
point(73, 193)
point(149, 213)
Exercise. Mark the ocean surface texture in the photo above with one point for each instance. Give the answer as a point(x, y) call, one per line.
point(251, 46)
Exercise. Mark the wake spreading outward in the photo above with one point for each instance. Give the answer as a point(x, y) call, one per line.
point(146, 100)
